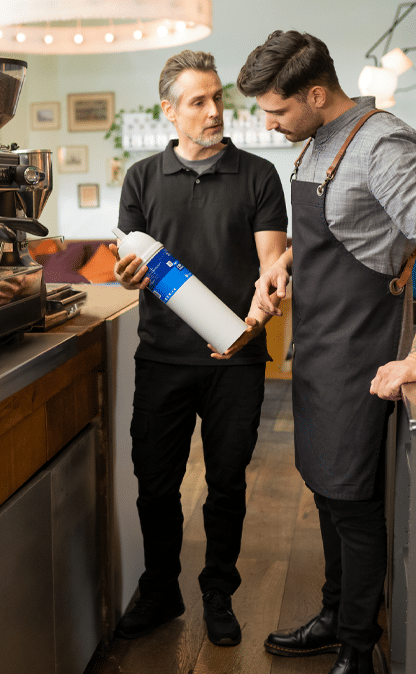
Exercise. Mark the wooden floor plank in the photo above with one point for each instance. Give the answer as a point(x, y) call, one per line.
point(302, 595)
point(253, 613)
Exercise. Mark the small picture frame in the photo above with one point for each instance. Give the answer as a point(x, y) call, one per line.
point(88, 195)
point(72, 159)
point(90, 112)
point(45, 116)
point(115, 172)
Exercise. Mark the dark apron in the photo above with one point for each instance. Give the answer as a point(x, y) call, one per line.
point(346, 323)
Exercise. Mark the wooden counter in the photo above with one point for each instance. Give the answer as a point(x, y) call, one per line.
point(49, 386)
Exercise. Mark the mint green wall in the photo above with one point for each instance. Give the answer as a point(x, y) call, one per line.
point(349, 28)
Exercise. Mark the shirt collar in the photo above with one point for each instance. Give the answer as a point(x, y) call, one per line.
point(228, 163)
point(364, 104)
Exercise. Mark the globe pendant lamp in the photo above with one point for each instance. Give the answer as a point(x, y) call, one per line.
point(378, 82)
point(397, 61)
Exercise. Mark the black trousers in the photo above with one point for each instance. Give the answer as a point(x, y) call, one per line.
point(354, 538)
point(355, 547)
point(167, 399)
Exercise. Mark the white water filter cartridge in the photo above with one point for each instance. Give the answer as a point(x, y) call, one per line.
point(182, 292)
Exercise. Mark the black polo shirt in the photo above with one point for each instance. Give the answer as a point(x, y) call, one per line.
point(207, 222)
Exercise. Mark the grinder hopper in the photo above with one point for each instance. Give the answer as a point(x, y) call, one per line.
point(31, 196)
point(12, 76)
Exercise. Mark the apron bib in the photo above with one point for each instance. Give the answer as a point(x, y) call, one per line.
point(346, 323)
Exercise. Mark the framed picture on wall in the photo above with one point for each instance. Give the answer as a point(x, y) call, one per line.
point(45, 116)
point(90, 112)
point(115, 172)
point(72, 159)
point(88, 195)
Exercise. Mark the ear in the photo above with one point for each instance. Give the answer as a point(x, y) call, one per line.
point(317, 97)
point(168, 110)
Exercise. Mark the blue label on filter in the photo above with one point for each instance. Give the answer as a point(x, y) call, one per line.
point(166, 275)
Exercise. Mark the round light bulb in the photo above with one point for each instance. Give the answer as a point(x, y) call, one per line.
point(1, 34)
point(20, 37)
point(137, 34)
point(78, 38)
point(109, 37)
point(48, 39)
point(181, 26)
point(162, 31)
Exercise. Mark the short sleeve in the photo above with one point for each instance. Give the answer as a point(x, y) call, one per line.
point(271, 211)
point(131, 218)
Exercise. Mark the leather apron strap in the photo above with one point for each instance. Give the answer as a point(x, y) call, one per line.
point(397, 284)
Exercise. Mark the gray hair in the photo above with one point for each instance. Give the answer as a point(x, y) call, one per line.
point(175, 65)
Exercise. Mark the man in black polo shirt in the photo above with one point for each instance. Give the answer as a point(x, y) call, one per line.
point(221, 212)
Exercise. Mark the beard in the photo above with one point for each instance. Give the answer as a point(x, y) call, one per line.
point(209, 141)
point(212, 140)
point(305, 128)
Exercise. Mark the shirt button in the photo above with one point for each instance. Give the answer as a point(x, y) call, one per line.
point(197, 181)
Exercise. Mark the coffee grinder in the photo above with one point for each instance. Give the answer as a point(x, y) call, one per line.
point(25, 185)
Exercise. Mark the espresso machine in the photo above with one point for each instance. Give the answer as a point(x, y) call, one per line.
point(25, 185)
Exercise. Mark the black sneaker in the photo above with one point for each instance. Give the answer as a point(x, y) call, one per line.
point(149, 613)
point(222, 625)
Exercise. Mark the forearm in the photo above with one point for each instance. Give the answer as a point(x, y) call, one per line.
point(286, 260)
point(276, 256)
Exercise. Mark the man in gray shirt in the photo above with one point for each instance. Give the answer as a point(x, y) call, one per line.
point(354, 226)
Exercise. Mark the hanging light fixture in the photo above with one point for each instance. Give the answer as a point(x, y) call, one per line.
point(101, 26)
point(378, 82)
point(381, 81)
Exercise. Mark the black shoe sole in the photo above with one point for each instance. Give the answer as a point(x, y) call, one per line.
point(304, 653)
point(226, 641)
point(222, 641)
point(175, 614)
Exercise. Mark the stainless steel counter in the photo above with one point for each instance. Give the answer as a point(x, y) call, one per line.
point(24, 361)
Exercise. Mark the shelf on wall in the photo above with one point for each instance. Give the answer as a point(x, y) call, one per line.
point(141, 134)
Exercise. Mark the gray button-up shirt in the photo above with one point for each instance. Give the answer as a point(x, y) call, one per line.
point(371, 202)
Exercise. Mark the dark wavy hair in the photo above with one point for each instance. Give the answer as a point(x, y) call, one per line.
point(289, 64)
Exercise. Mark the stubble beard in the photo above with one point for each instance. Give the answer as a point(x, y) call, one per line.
point(213, 140)
point(209, 141)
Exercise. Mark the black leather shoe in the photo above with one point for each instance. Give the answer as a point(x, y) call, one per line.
point(149, 612)
point(351, 661)
point(222, 625)
point(319, 635)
